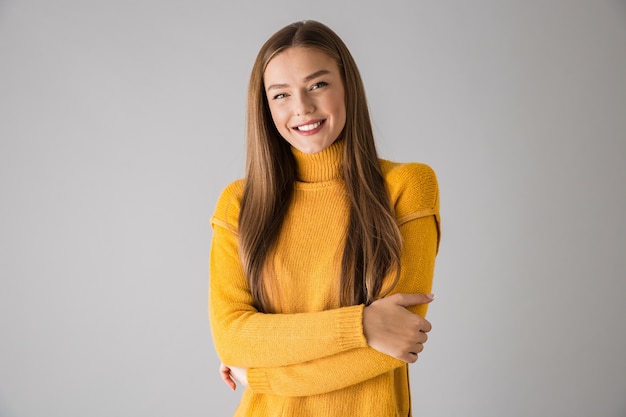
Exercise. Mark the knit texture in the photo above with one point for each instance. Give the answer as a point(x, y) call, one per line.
point(311, 358)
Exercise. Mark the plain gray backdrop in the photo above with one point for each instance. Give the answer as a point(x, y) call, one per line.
point(121, 121)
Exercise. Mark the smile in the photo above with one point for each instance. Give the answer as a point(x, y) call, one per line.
point(309, 127)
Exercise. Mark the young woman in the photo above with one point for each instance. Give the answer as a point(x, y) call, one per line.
point(322, 257)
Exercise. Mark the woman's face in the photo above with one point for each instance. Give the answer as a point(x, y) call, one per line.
point(306, 97)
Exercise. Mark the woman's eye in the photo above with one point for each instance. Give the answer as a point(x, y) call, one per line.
point(279, 96)
point(319, 85)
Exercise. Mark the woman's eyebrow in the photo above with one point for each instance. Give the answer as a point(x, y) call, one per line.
point(306, 79)
point(315, 75)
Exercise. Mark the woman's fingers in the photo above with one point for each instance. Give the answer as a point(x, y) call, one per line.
point(226, 377)
point(239, 375)
point(407, 300)
point(391, 328)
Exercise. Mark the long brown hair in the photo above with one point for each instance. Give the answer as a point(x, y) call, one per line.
point(373, 239)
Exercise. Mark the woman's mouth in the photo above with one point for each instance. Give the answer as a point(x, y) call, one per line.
point(310, 128)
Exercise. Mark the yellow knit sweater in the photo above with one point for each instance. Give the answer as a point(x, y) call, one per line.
point(311, 358)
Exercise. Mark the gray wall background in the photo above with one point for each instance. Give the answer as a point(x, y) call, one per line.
point(121, 121)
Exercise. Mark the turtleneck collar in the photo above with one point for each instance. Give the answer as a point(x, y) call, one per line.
point(319, 167)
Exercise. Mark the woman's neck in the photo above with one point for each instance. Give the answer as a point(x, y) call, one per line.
point(319, 167)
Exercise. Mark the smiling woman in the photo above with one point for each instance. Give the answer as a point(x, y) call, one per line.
point(322, 257)
point(306, 98)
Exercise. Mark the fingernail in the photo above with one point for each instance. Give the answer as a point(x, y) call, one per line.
point(431, 296)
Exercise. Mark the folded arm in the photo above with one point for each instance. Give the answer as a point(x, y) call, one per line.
point(351, 367)
point(247, 338)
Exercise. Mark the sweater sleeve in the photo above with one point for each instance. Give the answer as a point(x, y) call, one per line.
point(321, 375)
point(421, 237)
point(246, 338)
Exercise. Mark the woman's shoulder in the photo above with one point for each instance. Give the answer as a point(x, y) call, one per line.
point(228, 205)
point(412, 187)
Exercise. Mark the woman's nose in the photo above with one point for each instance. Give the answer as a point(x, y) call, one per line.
point(303, 105)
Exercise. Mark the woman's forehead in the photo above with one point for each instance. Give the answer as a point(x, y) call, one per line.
point(298, 64)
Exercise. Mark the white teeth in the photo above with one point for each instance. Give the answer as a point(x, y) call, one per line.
point(312, 126)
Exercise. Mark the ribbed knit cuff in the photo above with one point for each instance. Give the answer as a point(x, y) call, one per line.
point(350, 328)
point(258, 381)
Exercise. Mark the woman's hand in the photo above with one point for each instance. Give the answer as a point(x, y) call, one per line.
point(392, 329)
point(233, 375)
